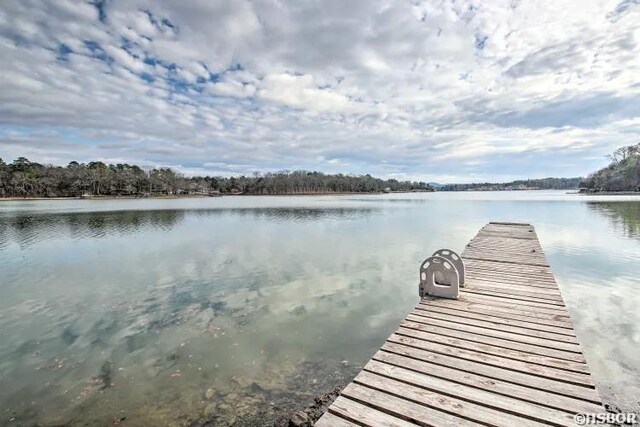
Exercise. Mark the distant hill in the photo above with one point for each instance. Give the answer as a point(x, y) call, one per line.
point(524, 184)
point(622, 174)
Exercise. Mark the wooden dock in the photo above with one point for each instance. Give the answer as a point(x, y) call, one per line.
point(503, 354)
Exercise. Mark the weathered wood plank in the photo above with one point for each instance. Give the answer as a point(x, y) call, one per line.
point(505, 278)
point(527, 380)
point(507, 271)
point(503, 243)
point(504, 281)
point(506, 245)
point(402, 408)
point(504, 388)
point(496, 326)
point(493, 360)
point(498, 351)
point(504, 229)
point(456, 407)
point(524, 226)
point(471, 394)
point(496, 319)
point(501, 312)
point(330, 420)
point(491, 333)
point(511, 236)
point(507, 281)
point(509, 267)
point(515, 295)
point(499, 258)
point(363, 414)
point(492, 228)
point(515, 303)
point(497, 342)
point(534, 294)
point(512, 252)
point(524, 254)
point(517, 226)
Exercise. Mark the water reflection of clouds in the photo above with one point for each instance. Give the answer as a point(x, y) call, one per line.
point(249, 299)
point(597, 266)
point(607, 323)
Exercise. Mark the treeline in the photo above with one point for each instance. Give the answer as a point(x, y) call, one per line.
point(622, 174)
point(523, 184)
point(23, 178)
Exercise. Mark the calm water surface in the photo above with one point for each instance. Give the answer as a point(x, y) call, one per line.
point(237, 309)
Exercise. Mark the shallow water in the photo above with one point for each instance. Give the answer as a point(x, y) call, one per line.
point(237, 309)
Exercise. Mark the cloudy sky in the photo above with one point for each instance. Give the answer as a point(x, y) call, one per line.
point(450, 91)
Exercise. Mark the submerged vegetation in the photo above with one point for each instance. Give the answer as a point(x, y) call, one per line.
point(23, 178)
point(622, 174)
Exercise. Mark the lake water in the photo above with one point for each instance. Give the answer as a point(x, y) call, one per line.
point(237, 309)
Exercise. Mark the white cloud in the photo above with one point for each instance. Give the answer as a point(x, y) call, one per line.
point(233, 88)
point(300, 91)
point(124, 59)
point(490, 89)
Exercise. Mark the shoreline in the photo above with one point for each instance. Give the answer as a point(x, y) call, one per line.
point(611, 193)
point(200, 196)
point(29, 199)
